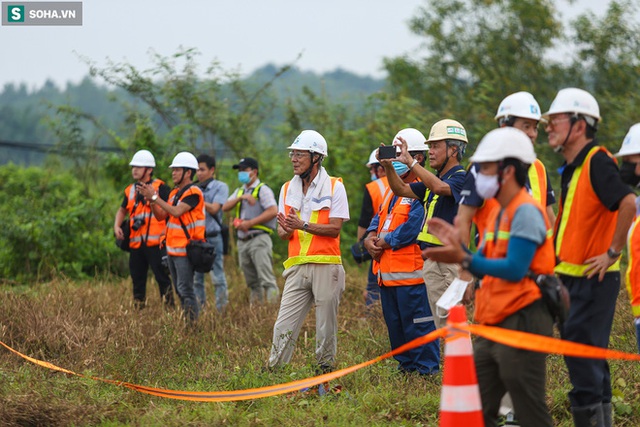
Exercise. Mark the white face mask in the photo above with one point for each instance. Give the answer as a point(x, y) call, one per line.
point(487, 186)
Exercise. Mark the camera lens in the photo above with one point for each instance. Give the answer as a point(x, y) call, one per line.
point(137, 223)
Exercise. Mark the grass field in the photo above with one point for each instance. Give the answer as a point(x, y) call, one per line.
point(92, 328)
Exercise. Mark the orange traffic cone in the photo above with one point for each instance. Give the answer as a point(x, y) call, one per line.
point(460, 398)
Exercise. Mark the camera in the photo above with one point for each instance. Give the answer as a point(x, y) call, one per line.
point(137, 223)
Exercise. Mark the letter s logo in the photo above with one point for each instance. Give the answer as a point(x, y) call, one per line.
point(15, 14)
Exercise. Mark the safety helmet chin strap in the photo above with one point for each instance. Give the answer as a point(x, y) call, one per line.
point(306, 175)
point(446, 160)
point(560, 148)
point(181, 178)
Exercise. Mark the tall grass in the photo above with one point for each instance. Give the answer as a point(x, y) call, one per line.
point(92, 328)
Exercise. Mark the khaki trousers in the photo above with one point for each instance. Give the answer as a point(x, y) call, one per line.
point(305, 285)
point(437, 277)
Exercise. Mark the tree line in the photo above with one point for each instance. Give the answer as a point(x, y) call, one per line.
point(475, 53)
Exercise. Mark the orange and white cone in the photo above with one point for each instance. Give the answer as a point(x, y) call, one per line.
point(460, 403)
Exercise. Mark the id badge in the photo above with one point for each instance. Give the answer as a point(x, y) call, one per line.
point(387, 223)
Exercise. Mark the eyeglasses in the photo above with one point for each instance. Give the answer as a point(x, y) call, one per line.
point(297, 154)
point(553, 122)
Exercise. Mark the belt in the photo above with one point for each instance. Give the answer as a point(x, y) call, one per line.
point(251, 236)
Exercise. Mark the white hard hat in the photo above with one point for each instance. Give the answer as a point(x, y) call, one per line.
point(519, 104)
point(576, 101)
point(503, 143)
point(447, 129)
point(631, 142)
point(310, 140)
point(372, 159)
point(143, 158)
point(184, 159)
point(415, 139)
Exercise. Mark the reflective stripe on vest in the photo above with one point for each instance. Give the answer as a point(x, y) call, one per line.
point(194, 222)
point(255, 194)
point(585, 227)
point(429, 209)
point(397, 266)
point(307, 248)
point(151, 231)
point(538, 182)
point(498, 298)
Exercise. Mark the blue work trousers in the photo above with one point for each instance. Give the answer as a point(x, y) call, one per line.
point(408, 316)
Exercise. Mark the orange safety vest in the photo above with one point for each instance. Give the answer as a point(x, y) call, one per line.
point(376, 190)
point(307, 248)
point(193, 220)
point(152, 230)
point(402, 266)
point(584, 227)
point(498, 298)
point(633, 270)
point(538, 182)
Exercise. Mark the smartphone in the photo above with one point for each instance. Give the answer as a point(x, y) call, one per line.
point(387, 152)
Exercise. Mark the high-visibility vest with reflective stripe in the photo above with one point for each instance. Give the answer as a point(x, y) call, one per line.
point(152, 231)
point(429, 209)
point(193, 220)
point(584, 227)
point(376, 190)
point(498, 298)
point(255, 193)
point(402, 266)
point(307, 248)
point(538, 183)
point(633, 270)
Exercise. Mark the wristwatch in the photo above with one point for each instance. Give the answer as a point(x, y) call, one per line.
point(466, 262)
point(613, 254)
point(305, 226)
point(154, 198)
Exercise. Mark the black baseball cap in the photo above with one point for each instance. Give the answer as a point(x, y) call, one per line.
point(247, 162)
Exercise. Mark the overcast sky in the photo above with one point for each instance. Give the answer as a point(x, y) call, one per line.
point(241, 34)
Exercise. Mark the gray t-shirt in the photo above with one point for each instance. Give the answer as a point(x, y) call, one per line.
point(528, 223)
point(215, 192)
point(266, 199)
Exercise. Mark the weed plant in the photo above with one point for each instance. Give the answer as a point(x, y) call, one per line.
point(92, 328)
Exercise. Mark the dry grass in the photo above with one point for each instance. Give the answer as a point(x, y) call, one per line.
point(92, 328)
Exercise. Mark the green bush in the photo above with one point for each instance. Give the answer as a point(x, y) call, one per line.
point(53, 225)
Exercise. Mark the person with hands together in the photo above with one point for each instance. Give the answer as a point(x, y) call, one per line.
point(311, 210)
point(184, 209)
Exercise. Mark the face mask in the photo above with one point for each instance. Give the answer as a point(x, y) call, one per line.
point(487, 186)
point(374, 177)
point(243, 177)
point(400, 168)
point(628, 174)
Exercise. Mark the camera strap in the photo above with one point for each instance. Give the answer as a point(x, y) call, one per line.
point(176, 199)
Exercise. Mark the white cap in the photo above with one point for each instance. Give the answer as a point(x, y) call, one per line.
point(143, 158)
point(572, 100)
point(372, 159)
point(519, 104)
point(504, 143)
point(415, 139)
point(184, 159)
point(310, 140)
point(631, 142)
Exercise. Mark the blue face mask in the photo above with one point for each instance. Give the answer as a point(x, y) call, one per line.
point(243, 177)
point(374, 177)
point(400, 168)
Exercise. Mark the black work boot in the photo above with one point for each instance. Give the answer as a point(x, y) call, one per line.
point(588, 416)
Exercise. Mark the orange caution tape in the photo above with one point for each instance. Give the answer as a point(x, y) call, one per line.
point(522, 340)
point(247, 394)
point(542, 344)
